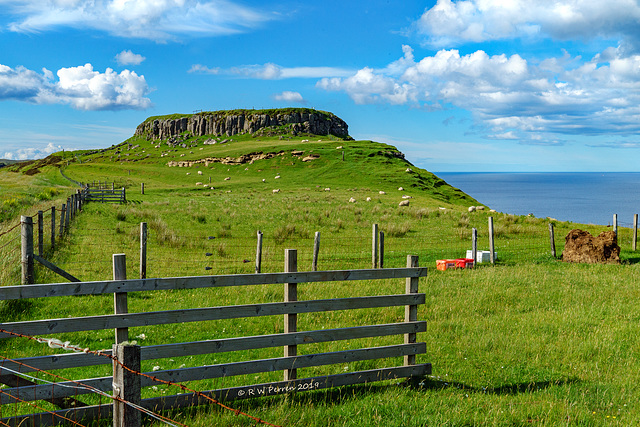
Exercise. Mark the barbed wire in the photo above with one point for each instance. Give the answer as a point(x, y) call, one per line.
point(113, 358)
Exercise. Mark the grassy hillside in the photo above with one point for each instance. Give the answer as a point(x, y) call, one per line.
point(529, 341)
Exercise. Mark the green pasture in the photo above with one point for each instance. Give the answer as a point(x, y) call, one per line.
point(528, 341)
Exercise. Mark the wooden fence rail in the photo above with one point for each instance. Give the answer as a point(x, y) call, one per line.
point(291, 340)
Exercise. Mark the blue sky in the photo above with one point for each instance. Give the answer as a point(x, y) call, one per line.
point(476, 85)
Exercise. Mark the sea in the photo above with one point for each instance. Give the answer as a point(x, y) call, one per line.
point(584, 198)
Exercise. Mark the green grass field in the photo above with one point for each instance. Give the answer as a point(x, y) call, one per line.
point(529, 341)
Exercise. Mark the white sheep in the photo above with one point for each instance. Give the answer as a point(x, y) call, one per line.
point(276, 191)
point(227, 178)
point(407, 197)
point(381, 192)
point(400, 189)
point(352, 200)
point(327, 189)
point(264, 180)
point(368, 199)
point(472, 209)
point(198, 183)
point(404, 203)
point(199, 172)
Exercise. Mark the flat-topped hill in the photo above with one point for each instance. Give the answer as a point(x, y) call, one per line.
point(273, 122)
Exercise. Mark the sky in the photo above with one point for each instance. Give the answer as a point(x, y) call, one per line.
point(473, 85)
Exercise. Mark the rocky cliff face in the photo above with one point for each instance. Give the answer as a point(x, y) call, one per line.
point(269, 122)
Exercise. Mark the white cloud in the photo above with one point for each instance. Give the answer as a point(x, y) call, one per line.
point(203, 69)
point(32, 153)
point(126, 57)
point(450, 22)
point(270, 71)
point(507, 94)
point(289, 96)
point(147, 19)
point(81, 87)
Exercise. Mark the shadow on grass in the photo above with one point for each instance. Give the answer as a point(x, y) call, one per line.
point(507, 389)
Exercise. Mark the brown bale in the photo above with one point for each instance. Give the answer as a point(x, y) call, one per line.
point(580, 246)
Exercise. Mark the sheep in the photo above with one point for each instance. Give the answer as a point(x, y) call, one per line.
point(188, 173)
point(277, 190)
point(199, 172)
point(400, 189)
point(198, 183)
point(352, 200)
point(472, 209)
point(480, 208)
point(368, 199)
point(277, 177)
point(381, 192)
point(409, 170)
point(327, 189)
point(227, 178)
point(407, 197)
point(264, 180)
point(404, 203)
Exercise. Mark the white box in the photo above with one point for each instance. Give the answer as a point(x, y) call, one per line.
point(482, 256)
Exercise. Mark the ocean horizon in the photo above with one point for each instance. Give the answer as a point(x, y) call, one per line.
point(580, 197)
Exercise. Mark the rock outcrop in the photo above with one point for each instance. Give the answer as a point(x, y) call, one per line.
point(260, 122)
point(581, 246)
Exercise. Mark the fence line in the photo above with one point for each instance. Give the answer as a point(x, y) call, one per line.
point(291, 363)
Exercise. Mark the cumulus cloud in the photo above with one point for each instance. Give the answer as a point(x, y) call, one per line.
point(81, 87)
point(126, 57)
point(448, 22)
point(507, 94)
point(289, 96)
point(147, 19)
point(32, 153)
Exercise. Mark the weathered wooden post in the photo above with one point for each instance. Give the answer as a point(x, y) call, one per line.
point(615, 224)
point(316, 250)
point(120, 298)
point(474, 244)
point(492, 256)
point(126, 385)
point(553, 241)
point(53, 227)
point(411, 311)
point(143, 250)
point(142, 188)
point(40, 233)
point(124, 195)
point(67, 216)
point(374, 246)
point(26, 234)
point(381, 251)
point(635, 230)
point(259, 253)
point(62, 221)
point(290, 319)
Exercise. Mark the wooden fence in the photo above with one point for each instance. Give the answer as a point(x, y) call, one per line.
point(106, 195)
point(67, 396)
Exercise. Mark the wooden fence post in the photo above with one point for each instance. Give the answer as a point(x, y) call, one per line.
point(40, 233)
point(492, 256)
point(381, 251)
point(615, 224)
point(124, 195)
point(635, 230)
point(62, 215)
point(53, 227)
point(120, 298)
point(142, 188)
point(411, 311)
point(290, 319)
point(68, 215)
point(259, 253)
point(553, 241)
point(143, 250)
point(316, 250)
point(374, 246)
point(26, 234)
point(126, 385)
point(474, 244)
